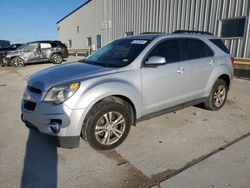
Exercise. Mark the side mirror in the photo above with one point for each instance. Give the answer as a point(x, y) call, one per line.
point(156, 60)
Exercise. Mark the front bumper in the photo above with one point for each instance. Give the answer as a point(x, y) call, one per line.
point(42, 116)
point(59, 141)
point(5, 61)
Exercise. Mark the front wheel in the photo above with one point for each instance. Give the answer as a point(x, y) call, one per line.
point(218, 96)
point(106, 125)
point(57, 58)
point(17, 62)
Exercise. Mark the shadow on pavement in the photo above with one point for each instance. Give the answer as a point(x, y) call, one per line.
point(40, 163)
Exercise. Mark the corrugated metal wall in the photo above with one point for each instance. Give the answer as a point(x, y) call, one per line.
point(160, 16)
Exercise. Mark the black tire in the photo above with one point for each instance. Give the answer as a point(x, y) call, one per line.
point(17, 62)
point(96, 116)
point(57, 58)
point(214, 102)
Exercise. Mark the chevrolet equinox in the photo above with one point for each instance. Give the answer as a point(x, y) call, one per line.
point(128, 80)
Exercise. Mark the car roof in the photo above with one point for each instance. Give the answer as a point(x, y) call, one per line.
point(144, 36)
point(153, 36)
point(45, 41)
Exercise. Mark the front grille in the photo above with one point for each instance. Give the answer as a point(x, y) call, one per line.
point(29, 105)
point(34, 90)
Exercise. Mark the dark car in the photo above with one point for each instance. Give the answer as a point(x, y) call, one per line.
point(3, 51)
point(11, 47)
point(37, 51)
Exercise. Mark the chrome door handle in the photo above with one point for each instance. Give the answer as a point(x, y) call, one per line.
point(180, 70)
point(211, 63)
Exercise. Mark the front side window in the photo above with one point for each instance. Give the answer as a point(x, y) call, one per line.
point(169, 49)
point(194, 49)
point(118, 53)
point(31, 47)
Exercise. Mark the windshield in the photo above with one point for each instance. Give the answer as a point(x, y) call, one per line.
point(118, 53)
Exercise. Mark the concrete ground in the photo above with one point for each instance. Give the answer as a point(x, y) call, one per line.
point(192, 147)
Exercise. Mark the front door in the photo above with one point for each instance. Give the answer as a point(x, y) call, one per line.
point(164, 86)
point(31, 52)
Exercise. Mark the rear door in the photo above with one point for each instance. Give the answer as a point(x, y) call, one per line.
point(199, 66)
point(45, 49)
point(164, 86)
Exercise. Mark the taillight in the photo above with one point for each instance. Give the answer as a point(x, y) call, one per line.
point(232, 60)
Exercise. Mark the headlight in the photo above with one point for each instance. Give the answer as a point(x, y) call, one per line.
point(59, 94)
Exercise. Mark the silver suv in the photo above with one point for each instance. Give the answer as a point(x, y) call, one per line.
point(128, 80)
point(33, 52)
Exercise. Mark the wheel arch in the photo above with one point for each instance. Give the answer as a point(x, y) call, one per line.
point(221, 72)
point(124, 101)
point(226, 78)
point(56, 52)
point(16, 56)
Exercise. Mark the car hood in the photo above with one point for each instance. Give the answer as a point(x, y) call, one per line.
point(67, 73)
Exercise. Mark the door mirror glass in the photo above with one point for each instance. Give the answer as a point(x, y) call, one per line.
point(156, 60)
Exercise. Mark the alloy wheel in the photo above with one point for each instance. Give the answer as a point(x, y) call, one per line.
point(57, 58)
point(219, 96)
point(18, 62)
point(110, 128)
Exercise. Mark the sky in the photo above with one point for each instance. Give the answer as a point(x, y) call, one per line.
point(28, 20)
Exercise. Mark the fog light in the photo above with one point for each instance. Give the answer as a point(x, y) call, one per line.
point(55, 127)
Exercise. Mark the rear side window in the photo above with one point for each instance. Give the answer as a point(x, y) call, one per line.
point(195, 49)
point(220, 44)
point(169, 49)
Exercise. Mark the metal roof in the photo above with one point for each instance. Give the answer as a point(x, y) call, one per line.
point(74, 11)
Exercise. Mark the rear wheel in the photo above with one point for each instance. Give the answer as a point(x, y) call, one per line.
point(17, 62)
point(57, 58)
point(106, 125)
point(218, 96)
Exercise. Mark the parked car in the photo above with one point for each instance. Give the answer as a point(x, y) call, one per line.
point(38, 51)
point(129, 80)
point(4, 43)
point(4, 51)
point(11, 47)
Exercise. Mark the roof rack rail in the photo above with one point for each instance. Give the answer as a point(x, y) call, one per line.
point(149, 33)
point(193, 32)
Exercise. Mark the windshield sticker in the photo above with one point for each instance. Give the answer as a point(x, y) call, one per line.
point(139, 42)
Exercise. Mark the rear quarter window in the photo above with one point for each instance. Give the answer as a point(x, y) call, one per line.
point(220, 44)
point(195, 49)
point(45, 45)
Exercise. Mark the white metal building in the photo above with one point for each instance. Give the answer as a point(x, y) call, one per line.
point(97, 22)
